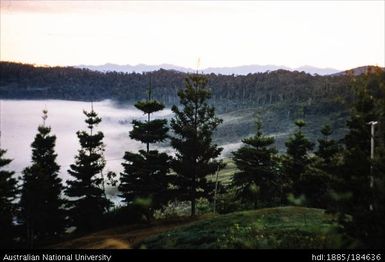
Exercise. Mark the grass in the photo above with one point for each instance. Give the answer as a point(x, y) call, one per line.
point(225, 175)
point(282, 227)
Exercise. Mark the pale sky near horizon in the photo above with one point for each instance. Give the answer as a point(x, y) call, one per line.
point(336, 34)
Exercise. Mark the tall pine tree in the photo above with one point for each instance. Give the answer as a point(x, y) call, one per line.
point(362, 178)
point(88, 201)
point(322, 174)
point(8, 195)
point(256, 181)
point(145, 175)
point(328, 150)
point(379, 165)
point(42, 207)
point(193, 126)
point(297, 158)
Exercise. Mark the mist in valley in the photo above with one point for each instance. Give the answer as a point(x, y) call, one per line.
point(20, 119)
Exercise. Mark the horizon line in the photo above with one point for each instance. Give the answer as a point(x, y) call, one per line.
point(82, 65)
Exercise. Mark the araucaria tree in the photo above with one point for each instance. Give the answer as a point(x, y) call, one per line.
point(297, 159)
point(88, 201)
point(42, 207)
point(328, 151)
point(325, 167)
point(145, 180)
point(8, 194)
point(193, 126)
point(256, 182)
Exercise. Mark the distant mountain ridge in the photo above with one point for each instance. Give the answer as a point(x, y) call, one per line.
point(236, 70)
point(139, 68)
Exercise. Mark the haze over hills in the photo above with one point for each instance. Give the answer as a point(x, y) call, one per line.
point(236, 70)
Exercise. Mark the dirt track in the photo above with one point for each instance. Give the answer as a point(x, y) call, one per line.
point(123, 237)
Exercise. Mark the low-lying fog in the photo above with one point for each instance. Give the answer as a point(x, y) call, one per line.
point(20, 119)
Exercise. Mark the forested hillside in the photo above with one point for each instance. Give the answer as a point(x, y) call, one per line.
point(28, 81)
point(276, 97)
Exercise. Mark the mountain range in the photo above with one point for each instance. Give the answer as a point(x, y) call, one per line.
point(236, 70)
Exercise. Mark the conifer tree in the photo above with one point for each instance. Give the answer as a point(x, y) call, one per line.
point(42, 207)
point(362, 178)
point(145, 176)
point(378, 173)
point(193, 126)
point(257, 179)
point(297, 158)
point(328, 150)
point(314, 184)
point(8, 194)
point(322, 174)
point(376, 233)
point(309, 175)
point(88, 201)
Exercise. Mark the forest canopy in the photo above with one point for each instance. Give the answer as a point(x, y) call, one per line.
point(231, 91)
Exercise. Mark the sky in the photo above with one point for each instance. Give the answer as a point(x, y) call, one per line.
point(335, 34)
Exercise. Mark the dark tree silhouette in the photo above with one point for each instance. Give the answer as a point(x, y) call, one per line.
point(145, 173)
point(257, 179)
point(193, 126)
point(88, 201)
point(297, 158)
point(362, 178)
point(42, 207)
point(8, 195)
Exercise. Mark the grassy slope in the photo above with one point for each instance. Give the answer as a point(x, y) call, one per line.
point(278, 123)
point(225, 175)
point(282, 227)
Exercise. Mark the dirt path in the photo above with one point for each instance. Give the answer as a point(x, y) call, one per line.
point(123, 237)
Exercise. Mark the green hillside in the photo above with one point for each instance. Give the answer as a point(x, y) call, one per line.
point(282, 227)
